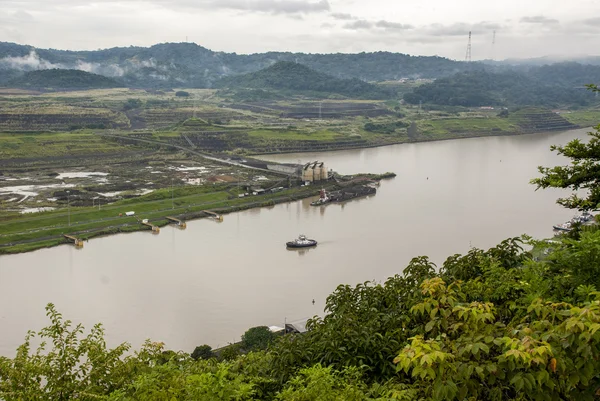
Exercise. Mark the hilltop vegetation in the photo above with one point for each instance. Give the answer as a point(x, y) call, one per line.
point(63, 79)
point(170, 65)
point(187, 64)
point(483, 88)
point(297, 77)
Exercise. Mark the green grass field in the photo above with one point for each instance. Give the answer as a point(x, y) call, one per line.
point(292, 135)
point(23, 228)
point(584, 118)
point(80, 143)
point(454, 127)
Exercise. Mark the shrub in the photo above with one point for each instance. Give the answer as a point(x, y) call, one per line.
point(257, 338)
point(202, 352)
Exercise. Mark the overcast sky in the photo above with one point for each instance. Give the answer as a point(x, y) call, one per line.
point(524, 28)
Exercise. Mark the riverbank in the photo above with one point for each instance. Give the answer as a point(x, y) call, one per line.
point(26, 233)
point(153, 286)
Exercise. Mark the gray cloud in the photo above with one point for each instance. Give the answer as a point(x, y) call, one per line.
point(274, 6)
point(360, 24)
point(262, 25)
point(267, 6)
point(23, 16)
point(30, 62)
point(392, 25)
point(343, 16)
point(11, 34)
point(461, 28)
point(381, 24)
point(595, 22)
point(539, 19)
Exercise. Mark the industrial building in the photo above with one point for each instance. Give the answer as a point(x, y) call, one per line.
point(314, 171)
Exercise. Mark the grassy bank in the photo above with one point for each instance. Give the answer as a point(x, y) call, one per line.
point(41, 230)
point(583, 118)
point(22, 233)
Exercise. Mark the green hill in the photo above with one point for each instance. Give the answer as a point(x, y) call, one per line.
point(484, 88)
point(63, 79)
point(285, 75)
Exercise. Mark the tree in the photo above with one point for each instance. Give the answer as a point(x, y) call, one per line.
point(465, 352)
point(257, 338)
point(202, 352)
point(182, 94)
point(582, 174)
point(504, 114)
point(230, 352)
point(132, 104)
point(71, 368)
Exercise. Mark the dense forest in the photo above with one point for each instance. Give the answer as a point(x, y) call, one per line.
point(549, 86)
point(520, 321)
point(170, 65)
point(190, 65)
point(64, 79)
point(285, 75)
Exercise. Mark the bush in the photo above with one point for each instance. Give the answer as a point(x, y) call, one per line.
point(132, 104)
point(202, 352)
point(231, 352)
point(257, 338)
point(182, 94)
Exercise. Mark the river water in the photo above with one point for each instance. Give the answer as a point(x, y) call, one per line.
point(212, 281)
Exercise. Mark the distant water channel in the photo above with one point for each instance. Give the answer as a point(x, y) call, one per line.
point(211, 282)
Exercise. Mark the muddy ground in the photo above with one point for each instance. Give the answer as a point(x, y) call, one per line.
point(48, 184)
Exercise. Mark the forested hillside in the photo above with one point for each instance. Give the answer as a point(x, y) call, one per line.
point(549, 86)
point(286, 75)
point(190, 65)
point(64, 79)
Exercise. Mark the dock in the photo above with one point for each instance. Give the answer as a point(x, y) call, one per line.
point(181, 224)
point(214, 215)
point(76, 241)
point(155, 229)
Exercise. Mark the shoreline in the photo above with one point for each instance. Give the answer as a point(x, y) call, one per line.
point(476, 135)
point(219, 207)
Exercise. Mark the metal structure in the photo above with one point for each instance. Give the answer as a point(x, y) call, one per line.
point(468, 56)
point(76, 241)
point(314, 171)
point(493, 44)
point(180, 223)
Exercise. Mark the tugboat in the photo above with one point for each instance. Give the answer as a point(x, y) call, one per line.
point(301, 242)
point(583, 218)
point(563, 227)
point(323, 199)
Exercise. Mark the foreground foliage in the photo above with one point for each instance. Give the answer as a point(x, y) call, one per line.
point(581, 174)
point(492, 325)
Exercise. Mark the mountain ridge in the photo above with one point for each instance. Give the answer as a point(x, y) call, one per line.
point(64, 79)
point(188, 64)
point(287, 75)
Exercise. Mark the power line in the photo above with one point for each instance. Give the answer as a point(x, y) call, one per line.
point(493, 44)
point(468, 56)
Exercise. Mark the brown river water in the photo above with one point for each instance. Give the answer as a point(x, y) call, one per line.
point(212, 281)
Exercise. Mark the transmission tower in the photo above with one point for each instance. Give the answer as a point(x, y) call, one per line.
point(468, 56)
point(493, 45)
